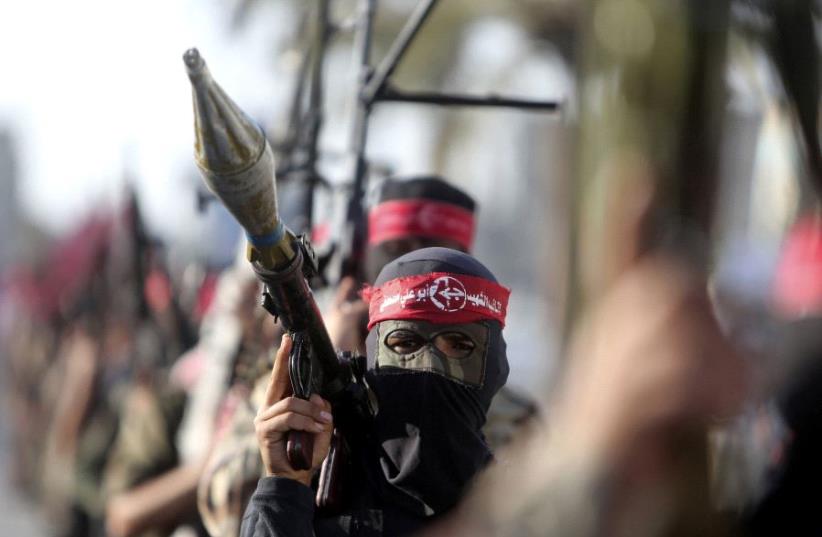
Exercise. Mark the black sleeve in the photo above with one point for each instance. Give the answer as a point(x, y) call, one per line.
point(280, 507)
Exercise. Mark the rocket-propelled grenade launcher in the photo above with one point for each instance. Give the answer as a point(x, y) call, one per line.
point(237, 164)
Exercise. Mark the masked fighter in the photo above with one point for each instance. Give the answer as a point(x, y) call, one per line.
point(409, 214)
point(436, 359)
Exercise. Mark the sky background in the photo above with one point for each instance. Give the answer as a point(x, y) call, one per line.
point(91, 87)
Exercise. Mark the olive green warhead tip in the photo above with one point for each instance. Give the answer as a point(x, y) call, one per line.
point(193, 60)
point(232, 153)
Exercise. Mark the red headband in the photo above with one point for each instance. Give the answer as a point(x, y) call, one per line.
point(798, 280)
point(395, 219)
point(437, 297)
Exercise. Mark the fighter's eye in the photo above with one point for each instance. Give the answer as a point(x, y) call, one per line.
point(404, 341)
point(454, 344)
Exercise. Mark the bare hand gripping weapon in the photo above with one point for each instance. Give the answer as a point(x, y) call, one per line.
point(237, 164)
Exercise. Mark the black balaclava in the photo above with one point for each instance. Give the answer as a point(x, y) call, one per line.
point(427, 433)
point(431, 188)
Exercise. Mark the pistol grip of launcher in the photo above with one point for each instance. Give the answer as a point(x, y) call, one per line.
point(300, 449)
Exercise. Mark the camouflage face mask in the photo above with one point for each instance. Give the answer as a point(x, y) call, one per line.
point(455, 351)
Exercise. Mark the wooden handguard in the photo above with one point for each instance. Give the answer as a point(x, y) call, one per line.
point(300, 449)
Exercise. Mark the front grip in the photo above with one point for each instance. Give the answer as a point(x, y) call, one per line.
point(300, 449)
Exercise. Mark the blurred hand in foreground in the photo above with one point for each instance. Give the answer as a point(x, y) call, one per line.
point(648, 360)
point(648, 366)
